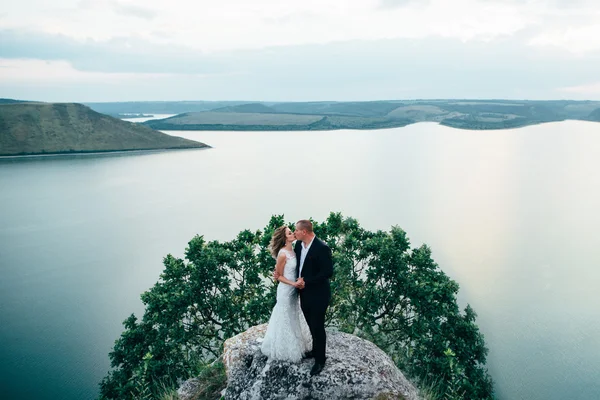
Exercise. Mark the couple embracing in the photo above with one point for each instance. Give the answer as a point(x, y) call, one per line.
point(296, 328)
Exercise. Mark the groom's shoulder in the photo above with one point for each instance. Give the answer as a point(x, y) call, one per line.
point(321, 242)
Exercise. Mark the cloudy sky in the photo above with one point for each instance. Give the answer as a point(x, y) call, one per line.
point(298, 50)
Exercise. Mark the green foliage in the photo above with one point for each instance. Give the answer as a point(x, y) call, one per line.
point(383, 290)
point(213, 379)
point(455, 374)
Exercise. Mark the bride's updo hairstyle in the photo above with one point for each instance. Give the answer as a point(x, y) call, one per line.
point(277, 241)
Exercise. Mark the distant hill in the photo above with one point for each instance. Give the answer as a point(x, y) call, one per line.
point(595, 115)
point(463, 114)
point(12, 101)
point(159, 107)
point(228, 120)
point(349, 109)
point(247, 108)
point(54, 128)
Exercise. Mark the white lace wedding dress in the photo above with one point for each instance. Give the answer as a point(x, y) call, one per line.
point(288, 336)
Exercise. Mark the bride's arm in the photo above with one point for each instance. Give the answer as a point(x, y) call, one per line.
point(281, 260)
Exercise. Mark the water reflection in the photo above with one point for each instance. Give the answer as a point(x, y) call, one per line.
point(511, 215)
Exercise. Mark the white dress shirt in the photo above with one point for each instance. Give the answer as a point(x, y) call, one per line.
point(304, 252)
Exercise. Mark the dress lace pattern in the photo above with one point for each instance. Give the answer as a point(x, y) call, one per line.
point(287, 337)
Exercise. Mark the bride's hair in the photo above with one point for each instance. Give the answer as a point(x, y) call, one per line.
point(278, 241)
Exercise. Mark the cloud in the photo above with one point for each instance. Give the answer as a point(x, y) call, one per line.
point(579, 40)
point(114, 55)
point(351, 70)
point(127, 9)
point(28, 71)
point(134, 11)
point(59, 81)
point(586, 90)
point(386, 4)
point(240, 24)
point(306, 50)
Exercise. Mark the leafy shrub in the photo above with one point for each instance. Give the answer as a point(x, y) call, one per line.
point(383, 290)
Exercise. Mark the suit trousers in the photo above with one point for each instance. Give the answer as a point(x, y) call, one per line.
point(314, 313)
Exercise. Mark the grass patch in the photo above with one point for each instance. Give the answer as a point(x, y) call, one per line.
point(213, 379)
point(209, 382)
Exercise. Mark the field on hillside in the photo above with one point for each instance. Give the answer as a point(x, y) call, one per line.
point(326, 115)
point(234, 118)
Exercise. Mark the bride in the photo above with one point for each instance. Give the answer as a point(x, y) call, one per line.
point(288, 337)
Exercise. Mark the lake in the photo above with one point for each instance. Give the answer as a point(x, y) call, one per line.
point(511, 215)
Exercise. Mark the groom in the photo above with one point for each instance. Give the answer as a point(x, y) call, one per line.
point(314, 268)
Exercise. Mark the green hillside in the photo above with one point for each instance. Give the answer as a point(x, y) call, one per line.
point(228, 120)
point(12, 101)
point(247, 108)
point(463, 114)
point(351, 109)
point(595, 115)
point(53, 128)
point(159, 107)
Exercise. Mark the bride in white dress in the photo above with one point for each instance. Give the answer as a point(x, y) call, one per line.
point(288, 337)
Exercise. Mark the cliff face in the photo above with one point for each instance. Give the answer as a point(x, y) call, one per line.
point(47, 128)
point(355, 369)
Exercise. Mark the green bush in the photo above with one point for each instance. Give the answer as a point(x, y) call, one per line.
point(383, 290)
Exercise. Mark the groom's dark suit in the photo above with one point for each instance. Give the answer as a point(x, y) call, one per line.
point(314, 298)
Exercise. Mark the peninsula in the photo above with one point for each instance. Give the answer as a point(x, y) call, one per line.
point(29, 128)
point(268, 116)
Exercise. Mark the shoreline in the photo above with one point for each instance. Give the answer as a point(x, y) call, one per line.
point(298, 128)
point(96, 153)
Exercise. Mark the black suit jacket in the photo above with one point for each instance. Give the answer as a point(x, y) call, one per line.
point(317, 269)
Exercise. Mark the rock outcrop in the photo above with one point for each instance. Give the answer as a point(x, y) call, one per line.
point(355, 369)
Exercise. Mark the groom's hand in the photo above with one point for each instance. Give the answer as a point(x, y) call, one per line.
point(301, 283)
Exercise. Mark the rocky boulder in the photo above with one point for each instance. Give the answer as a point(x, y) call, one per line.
point(355, 369)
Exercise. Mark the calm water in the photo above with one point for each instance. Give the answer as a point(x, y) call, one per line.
point(511, 215)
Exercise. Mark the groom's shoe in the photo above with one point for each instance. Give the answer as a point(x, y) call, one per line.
point(316, 369)
point(308, 354)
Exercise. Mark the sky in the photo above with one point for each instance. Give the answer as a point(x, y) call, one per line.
point(299, 50)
